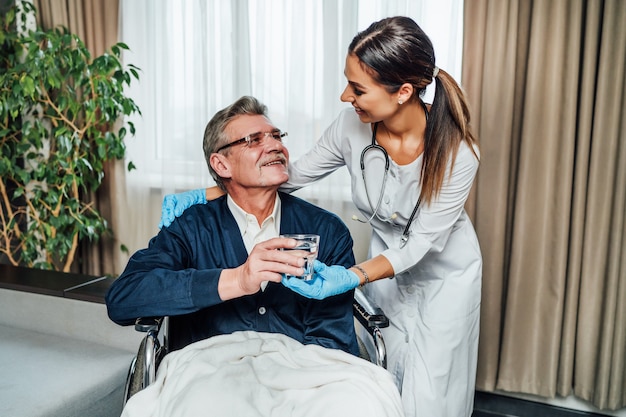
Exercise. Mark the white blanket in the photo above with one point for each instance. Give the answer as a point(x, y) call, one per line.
point(262, 374)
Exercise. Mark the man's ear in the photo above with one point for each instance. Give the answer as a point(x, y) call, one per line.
point(221, 165)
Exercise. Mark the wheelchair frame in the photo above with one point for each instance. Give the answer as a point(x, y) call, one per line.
point(155, 345)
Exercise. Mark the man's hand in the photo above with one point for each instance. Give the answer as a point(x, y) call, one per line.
point(327, 281)
point(265, 263)
point(175, 204)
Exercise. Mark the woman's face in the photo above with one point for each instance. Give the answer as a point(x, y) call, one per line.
point(370, 99)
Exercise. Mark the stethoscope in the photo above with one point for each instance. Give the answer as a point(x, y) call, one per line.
point(376, 147)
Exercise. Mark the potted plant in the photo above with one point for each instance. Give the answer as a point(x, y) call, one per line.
point(60, 120)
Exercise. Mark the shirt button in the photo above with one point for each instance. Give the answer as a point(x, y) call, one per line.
point(387, 199)
point(262, 310)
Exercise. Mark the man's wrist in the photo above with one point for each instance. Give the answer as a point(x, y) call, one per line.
point(228, 285)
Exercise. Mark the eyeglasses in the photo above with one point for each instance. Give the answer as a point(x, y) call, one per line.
point(255, 139)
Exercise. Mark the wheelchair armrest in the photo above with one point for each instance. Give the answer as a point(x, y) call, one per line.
point(157, 337)
point(371, 318)
point(367, 312)
point(145, 324)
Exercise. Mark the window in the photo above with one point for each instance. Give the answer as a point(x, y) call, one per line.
point(197, 56)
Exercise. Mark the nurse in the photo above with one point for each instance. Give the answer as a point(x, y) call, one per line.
point(412, 167)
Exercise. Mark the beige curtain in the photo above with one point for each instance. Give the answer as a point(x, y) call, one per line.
point(96, 23)
point(547, 84)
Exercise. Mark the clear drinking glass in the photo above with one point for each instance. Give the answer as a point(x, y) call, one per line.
point(308, 243)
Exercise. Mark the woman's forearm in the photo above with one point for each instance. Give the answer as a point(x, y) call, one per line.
point(214, 192)
point(374, 269)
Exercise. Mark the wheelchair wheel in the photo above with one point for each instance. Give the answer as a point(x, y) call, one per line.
point(135, 377)
point(363, 353)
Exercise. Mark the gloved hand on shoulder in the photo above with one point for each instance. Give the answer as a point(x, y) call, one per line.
point(175, 204)
point(327, 281)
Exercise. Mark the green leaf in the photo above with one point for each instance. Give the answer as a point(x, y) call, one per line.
point(65, 145)
point(86, 163)
point(18, 192)
point(28, 85)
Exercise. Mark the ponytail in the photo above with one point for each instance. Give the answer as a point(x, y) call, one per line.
point(447, 126)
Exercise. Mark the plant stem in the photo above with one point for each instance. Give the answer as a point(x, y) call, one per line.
point(6, 233)
point(71, 253)
point(48, 101)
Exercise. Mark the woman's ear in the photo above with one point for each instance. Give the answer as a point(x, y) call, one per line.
point(405, 93)
point(221, 165)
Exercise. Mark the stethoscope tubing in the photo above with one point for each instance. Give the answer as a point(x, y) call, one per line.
point(407, 229)
point(374, 146)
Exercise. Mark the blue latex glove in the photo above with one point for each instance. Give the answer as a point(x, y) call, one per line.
point(175, 204)
point(327, 281)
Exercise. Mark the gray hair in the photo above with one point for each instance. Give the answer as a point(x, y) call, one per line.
point(215, 135)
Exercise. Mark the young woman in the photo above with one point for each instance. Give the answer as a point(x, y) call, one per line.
point(412, 167)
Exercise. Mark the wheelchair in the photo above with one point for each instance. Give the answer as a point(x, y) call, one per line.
point(368, 318)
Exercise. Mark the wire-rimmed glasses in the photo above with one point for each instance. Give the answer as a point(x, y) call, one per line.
point(254, 139)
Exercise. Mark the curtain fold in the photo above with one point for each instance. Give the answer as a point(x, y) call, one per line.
point(602, 265)
point(546, 82)
point(96, 23)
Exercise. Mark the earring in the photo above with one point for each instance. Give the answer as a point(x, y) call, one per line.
point(400, 102)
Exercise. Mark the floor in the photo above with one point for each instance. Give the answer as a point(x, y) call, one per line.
point(493, 405)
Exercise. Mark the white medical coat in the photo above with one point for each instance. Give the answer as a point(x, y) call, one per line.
point(433, 302)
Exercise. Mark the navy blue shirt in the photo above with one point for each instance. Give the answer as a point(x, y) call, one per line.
point(177, 276)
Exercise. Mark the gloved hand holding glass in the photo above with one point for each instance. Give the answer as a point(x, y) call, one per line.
point(327, 281)
point(308, 243)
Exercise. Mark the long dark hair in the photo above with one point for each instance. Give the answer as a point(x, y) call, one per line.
point(395, 51)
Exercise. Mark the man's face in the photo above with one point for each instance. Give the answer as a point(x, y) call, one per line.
point(261, 165)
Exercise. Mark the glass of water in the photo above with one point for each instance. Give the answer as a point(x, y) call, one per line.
point(308, 243)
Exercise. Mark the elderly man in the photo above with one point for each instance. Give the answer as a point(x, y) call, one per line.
point(217, 269)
